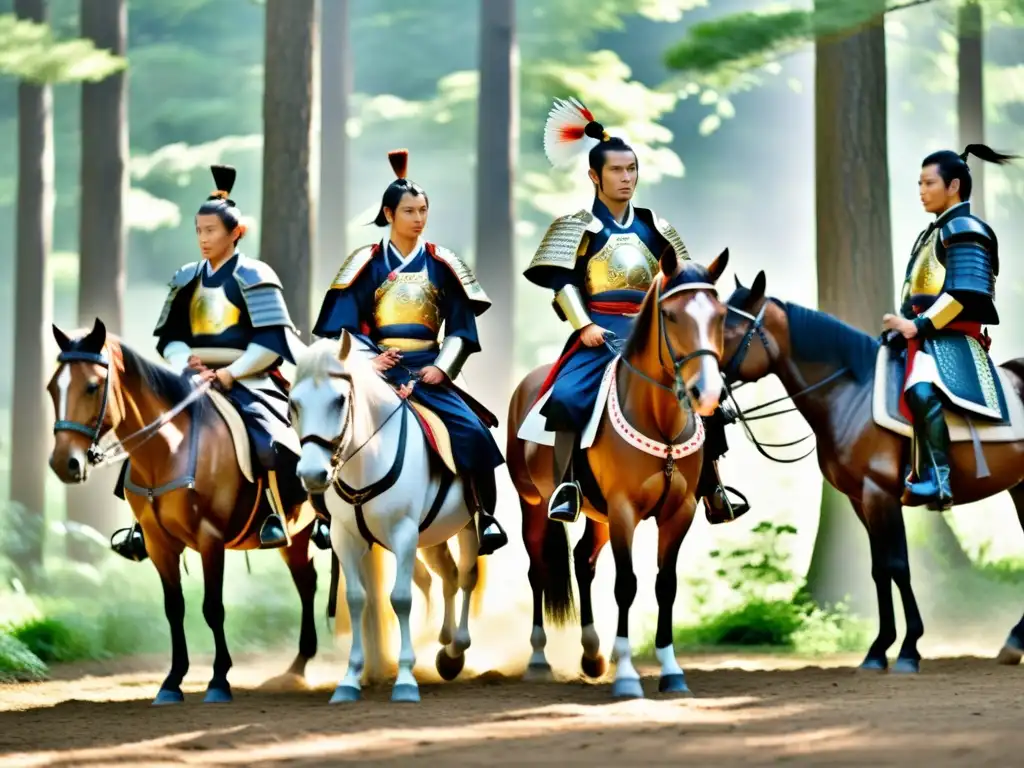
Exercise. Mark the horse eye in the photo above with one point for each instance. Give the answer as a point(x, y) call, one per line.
point(92, 387)
point(669, 315)
point(340, 401)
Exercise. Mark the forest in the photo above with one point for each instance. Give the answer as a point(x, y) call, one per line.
point(792, 136)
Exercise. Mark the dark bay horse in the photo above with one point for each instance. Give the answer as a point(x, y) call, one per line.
point(828, 369)
point(644, 462)
point(101, 386)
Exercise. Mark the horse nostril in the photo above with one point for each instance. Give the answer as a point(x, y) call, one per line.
point(321, 477)
point(74, 467)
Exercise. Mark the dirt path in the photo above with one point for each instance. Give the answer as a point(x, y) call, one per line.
point(958, 712)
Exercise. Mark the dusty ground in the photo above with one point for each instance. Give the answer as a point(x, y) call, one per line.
point(747, 711)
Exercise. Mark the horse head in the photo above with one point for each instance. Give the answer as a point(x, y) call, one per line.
point(749, 342)
point(80, 390)
point(691, 319)
point(320, 402)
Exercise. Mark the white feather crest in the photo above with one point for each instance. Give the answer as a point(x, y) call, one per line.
point(561, 152)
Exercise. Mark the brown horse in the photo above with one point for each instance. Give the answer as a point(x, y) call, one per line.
point(677, 333)
point(828, 370)
point(100, 387)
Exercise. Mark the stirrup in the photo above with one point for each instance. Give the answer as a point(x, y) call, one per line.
point(730, 511)
point(492, 537)
point(321, 535)
point(568, 511)
point(131, 545)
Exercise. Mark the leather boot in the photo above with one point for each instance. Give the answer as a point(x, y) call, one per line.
point(718, 507)
point(483, 498)
point(932, 487)
point(565, 503)
point(273, 532)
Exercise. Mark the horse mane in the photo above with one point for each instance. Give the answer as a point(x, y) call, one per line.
point(818, 337)
point(320, 359)
point(689, 272)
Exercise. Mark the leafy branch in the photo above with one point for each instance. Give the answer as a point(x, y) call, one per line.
point(29, 51)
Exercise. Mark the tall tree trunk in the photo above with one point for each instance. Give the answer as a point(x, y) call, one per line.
point(496, 145)
point(286, 221)
point(335, 92)
point(101, 239)
point(970, 101)
point(30, 434)
point(854, 247)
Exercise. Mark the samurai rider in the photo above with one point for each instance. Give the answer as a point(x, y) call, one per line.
point(395, 295)
point(600, 263)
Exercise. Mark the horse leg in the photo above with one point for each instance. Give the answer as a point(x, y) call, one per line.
point(671, 533)
point(300, 563)
point(1013, 649)
point(218, 691)
point(876, 659)
point(405, 540)
point(622, 522)
point(166, 556)
point(585, 555)
point(353, 552)
point(534, 530)
point(440, 559)
point(452, 658)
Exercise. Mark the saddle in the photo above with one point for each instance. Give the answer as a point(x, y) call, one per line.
point(890, 373)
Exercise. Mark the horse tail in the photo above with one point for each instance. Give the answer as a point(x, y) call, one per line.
point(476, 604)
point(379, 621)
point(559, 604)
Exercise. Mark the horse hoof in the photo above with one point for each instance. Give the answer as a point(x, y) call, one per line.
point(405, 693)
point(595, 667)
point(906, 667)
point(166, 696)
point(449, 667)
point(1011, 652)
point(627, 688)
point(344, 694)
point(675, 684)
point(874, 665)
point(538, 673)
point(218, 695)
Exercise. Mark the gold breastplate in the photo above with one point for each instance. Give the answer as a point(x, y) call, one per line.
point(624, 263)
point(407, 299)
point(210, 312)
point(927, 275)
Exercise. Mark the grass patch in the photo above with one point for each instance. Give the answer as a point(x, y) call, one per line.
point(18, 663)
point(770, 609)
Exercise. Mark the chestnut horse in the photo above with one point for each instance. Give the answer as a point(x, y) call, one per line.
point(627, 474)
point(828, 369)
point(164, 424)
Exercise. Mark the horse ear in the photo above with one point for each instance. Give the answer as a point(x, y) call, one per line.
point(717, 267)
point(669, 262)
point(738, 283)
point(97, 337)
point(63, 342)
point(346, 346)
point(758, 287)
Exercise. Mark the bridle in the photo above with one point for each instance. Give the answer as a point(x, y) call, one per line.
point(730, 375)
point(97, 454)
point(336, 445)
point(678, 388)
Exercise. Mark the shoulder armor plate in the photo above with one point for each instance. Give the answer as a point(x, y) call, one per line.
point(181, 279)
point(560, 246)
point(966, 229)
point(474, 291)
point(352, 266)
point(667, 231)
point(252, 273)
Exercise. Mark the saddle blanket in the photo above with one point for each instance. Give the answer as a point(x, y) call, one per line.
point(890, 366)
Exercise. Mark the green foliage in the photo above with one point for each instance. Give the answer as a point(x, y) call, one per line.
point(29, 51)
point(767, 610)
point(18, 663)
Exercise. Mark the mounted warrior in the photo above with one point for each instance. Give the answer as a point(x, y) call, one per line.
point(600, 263)
point(948, 295)
point(225, 320)
point(394, 296)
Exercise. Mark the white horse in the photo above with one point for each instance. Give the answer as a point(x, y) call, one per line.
point(364, 449)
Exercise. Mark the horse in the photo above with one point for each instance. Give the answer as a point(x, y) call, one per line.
point(164, 424)
point(626, 474)
point(383, 485)
point(829, 370)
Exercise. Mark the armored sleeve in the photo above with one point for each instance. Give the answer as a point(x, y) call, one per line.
point(173, 325)
point(461, 338)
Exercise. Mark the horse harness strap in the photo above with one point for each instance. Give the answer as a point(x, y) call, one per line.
point(187, 480)
point(91, 431)
point(358, 498)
